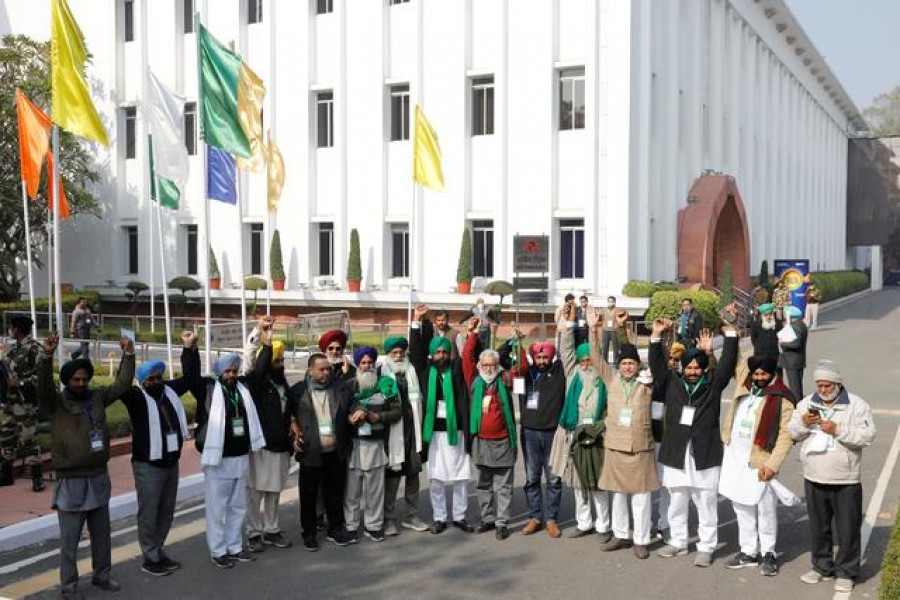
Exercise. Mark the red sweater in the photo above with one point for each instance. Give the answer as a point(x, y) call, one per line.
point(493, 424)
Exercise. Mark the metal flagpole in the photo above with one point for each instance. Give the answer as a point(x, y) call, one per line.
point(237, 193)
point(152, 278)
point(28, 255)
point(207, 352)
point(56, 257)
point(411, 253)
point(270, 215)
point(49, 269)
point(147, 174)
point(162, 266)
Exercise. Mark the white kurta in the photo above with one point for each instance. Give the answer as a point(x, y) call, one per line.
point(740, 482)
point(690, 476)
point(445, 462)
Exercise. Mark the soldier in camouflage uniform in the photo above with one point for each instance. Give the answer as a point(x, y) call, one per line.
point(21, 395)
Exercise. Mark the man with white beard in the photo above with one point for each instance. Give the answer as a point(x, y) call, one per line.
point(404, 440)
point(764, 331)
point(492, 424)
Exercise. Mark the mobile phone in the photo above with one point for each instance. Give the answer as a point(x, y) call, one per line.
point(813, 411)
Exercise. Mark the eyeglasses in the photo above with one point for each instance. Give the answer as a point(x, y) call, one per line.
point(335, 348)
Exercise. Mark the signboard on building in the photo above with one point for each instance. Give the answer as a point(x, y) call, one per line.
point(530, 297)
point(531, 254)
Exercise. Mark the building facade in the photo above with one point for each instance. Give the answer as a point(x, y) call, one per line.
point(589, 121)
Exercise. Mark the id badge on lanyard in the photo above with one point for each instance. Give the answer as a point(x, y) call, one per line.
point(625, 417)
point(237, 427)
point(172, 442)
point(96, 440)
point(687, 415)
point(531, 403)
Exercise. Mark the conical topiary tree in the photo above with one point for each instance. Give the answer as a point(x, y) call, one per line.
point(763, 278)
point(276, 261)
point(354, 264)
point(726, 285)
point(213, 265)
point(464, 267)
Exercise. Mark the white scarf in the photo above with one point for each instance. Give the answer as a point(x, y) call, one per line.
point(396, 441)
point(215, 427)
point(156, 441)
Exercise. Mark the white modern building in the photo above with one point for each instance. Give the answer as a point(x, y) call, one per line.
point(590, 121)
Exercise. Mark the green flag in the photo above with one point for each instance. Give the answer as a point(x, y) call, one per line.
point(169, 194)
point(220, 71)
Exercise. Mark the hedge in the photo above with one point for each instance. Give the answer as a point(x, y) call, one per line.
point(837, 284)
point(668, 304)
point(41, 302)
point(890, 566)
point(646, 289)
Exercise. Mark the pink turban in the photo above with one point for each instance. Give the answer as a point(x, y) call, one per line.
point(542, 347)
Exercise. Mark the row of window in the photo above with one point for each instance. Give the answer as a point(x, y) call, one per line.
point(571, 112)
point(571, 248)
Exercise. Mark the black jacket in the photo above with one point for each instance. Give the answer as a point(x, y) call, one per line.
point(418, 356)
point(765, 341)
point(694, 325)
point(274, 420)
point(300, 406)
point(704, 433)
point(551, 388)
point(793, 354)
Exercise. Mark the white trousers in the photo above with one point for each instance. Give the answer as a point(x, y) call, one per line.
point(758, 524)
point(226, 505)
point(812, 315)
point(439, 499)
point(640, 509)
point(662, 521)
point(706, 502)
point(599, 499)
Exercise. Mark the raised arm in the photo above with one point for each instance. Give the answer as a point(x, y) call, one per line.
point(657, 356)
point(47, 395)
point(567, 341)
point(725, 368)
point(190, 365)
point(125, 376)
point(471, 350)
point(418, 346)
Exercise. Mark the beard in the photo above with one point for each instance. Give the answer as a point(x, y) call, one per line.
point(441, 364)
point(489, 378)
point(832, 395)
point(768, 324)
point(367, 380)
point(335, 361)
point(588, 375)
point(398, 366)
point(154, 390)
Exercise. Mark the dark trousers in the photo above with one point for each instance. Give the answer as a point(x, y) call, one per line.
point(70, 525)
point(581, 335)
point(839, 506)
point(84, 351)
point(330, 479)
point(157, 490)
point(795, 382)
point(536, 444)
point(610, 336)
point(410, 495)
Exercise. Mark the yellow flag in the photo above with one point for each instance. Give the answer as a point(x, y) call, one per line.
point(71, 98)
point(426, 154)
point(274, 174)
point(251, 92)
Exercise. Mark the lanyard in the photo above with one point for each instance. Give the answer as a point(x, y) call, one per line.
point(86, 406)
point(233, 398)
point(627, 387)
point(161, 407)
point(691, 390)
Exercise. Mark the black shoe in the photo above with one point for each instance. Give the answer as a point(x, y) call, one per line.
point(223, 562)
point(172, 565)
point(464, 526)
point(605, 536)
point(353, 537)
point(339, 538)
point(502, 533)
point(157, 569)
point(375, 536)
point(255, 544)
point(108, 584)
point(769, 566)
point(485, 527)
point(742, 560)
point(276, 539)
point(244, 556)
point(438, 527)
point(310, 544)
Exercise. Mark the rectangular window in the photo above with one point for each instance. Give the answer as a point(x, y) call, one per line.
point(399, 112)
point(483, 248)
point(324, 6)
point(571, 99)
point(188, 16)
point(131, 252)
point(571, 248)
point(130, 114)
point(483, 106)
point(400, 250)
point(254, 11)
point(190, 127)
point(129, 20)
point(256, 248)
point(325, 119)
point(190, 233)
point(326, 248)
point(393, 2)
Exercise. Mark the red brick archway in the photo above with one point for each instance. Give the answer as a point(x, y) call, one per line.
point(712, 229)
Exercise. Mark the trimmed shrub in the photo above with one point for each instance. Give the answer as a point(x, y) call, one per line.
point(213, 266)
point(354, 262)
point(763, 278)
point(464, 267)
point(646, 289)
point(668, 304)
point(890, 566)
point(40, 302)
point(837, 284)
point(726, 285)
point(276, 260)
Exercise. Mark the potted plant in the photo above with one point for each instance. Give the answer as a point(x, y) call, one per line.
point(354, 266)
point(215, 278)
point(464, 268)
point(276, 264)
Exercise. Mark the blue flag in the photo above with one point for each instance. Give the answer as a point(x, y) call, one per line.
point(221, 175)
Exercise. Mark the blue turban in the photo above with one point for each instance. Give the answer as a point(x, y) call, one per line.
point(362, 351)
point(793, 312)
point(151, 367)
point(226, 361)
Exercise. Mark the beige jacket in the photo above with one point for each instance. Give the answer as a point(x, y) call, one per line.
point(758, 456)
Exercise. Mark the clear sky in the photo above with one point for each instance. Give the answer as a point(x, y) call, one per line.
point(859, 41)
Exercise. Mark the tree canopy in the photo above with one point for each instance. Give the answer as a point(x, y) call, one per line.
point(25, 63)
point(884, 114)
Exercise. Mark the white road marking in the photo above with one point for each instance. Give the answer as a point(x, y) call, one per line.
point(878, 495)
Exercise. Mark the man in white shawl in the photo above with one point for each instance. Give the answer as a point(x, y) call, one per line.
point(228, 429)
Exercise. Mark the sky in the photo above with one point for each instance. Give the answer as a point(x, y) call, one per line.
point(859, 41)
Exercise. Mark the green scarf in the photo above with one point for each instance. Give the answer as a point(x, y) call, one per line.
point(431, 406)
point(386, 386)
point(695, 389)
point(568, 419)
point(475, 420)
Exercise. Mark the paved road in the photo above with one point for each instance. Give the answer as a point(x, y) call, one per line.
point(456, 565)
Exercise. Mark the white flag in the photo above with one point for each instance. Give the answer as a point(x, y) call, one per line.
point(164, 110)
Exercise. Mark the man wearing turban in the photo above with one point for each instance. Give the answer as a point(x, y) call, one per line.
point(158, 431)
point(757, 438)
point(792, 340)
point(764, 331)
point(404, 441)
point(80, 451)
point(691, 450)
point(445, 426)
point(228, 430)
point(332, 345)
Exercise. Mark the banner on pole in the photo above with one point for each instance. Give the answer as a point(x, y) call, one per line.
point(795, 275)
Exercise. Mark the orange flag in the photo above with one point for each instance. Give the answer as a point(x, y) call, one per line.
point(63, 204)
point(34, 140)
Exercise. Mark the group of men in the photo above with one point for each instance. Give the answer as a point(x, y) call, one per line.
point(618, 433)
